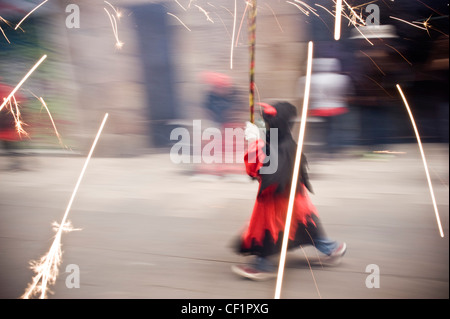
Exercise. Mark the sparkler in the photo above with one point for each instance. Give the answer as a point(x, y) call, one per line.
point(252, 41)
point(295, 173)
point(23, 19)
point(430, 186)
point(22, 81)
point(47, 267)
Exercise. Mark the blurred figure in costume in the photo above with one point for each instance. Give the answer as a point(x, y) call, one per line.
point(329, 97)
point(264, 234)
point(221, 104)
point(9, 135)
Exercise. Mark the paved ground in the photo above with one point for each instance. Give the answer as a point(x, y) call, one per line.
point(152, 229)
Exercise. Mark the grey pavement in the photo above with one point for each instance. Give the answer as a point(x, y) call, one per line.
point(152, 229)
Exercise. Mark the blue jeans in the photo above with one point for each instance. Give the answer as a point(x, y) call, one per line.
point(324, 245)
point(263, 264)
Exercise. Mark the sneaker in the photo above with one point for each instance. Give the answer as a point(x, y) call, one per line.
point(337, 254)
point(252, 273)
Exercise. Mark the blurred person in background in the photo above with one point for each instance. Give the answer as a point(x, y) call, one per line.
point(219, 97)
point(329, 95)
point(264, 234)
point(222, 107)
point(9, 136)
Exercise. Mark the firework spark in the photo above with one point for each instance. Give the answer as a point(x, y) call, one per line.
point(23, 19)
point(22, 81)
point(404, 58)
point(252, 14)
point(430, 185)
point(312, 273)
point(113, 21)
point(379, 69)
point(308, 8)
point(247, 4)
point(352, 18)
point(355, 15)
point(208, 18)
point(299, 7)
point(9, 25)
point(179, 20)
point(15, 113)
point(17, 117)
point(180, 5)
point(53, 122)
point(275, 16)
point(223, 23)
point(337, 25)
point(234, 32)
point(118, 13)
point(3, 32)
point(411, 24)
point(295, 173)
point(228, 10)
point(46, 268)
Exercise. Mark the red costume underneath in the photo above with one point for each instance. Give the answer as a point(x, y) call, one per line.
point(264, 233)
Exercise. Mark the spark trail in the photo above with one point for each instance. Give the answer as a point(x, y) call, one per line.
point(337, 27)
point(46, 268)
point(234, 32)
point(53, 122)
point(113, 21)
point(22, 81)
point(295, 174)
point(29, 13)
point(430, 185)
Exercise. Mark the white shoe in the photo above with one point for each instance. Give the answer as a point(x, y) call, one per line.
point(336, 256)
point(252, 273)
